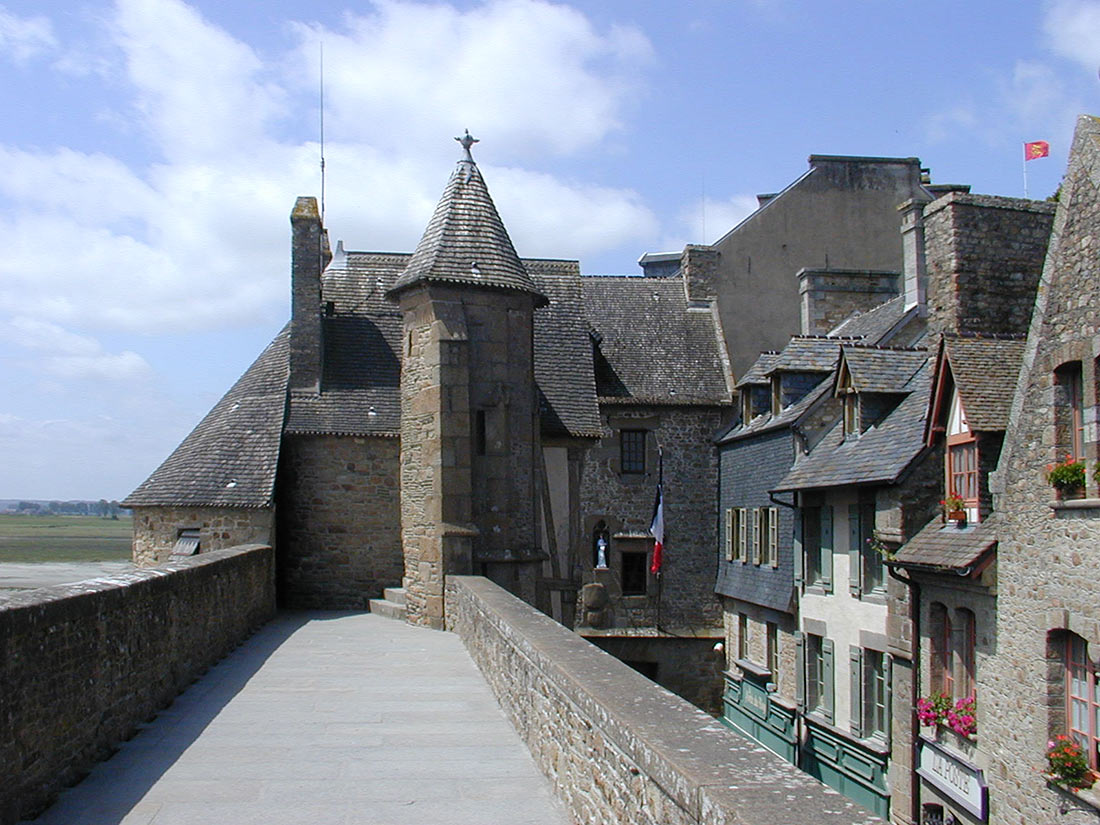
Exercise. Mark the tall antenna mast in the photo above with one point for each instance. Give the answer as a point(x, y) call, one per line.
point(321, 47)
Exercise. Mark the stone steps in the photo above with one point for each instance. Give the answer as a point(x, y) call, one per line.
point(391, 605)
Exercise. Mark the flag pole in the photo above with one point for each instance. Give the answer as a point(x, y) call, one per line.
point(1024, 161)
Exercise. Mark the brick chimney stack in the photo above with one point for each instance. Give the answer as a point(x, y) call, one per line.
point(308, 248)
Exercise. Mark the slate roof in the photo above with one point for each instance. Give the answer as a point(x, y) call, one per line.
point(466, 242)
point(985, 371)
point(881, 369)
point(807, 353)
point(650, 348)
point(879, 455)
point(362, 339)
point(873, 324)
point(229, 459)
point(758, 372)
point(947, 547)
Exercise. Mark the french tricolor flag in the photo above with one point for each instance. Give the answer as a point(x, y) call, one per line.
point(657, 525)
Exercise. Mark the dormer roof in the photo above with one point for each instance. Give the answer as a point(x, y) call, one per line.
point(808, 353)
point(465, 241)
point(873, 369)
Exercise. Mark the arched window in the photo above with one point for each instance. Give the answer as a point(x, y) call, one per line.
point(1082, 699)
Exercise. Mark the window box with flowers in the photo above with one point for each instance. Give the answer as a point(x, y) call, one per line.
point(954, 508)
point(1067, 764)
point(1067, 478)
point(961, 716)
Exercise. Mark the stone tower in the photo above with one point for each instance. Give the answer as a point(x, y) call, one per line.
point(469, 412)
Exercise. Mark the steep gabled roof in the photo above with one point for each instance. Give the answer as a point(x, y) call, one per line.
point(985, 371)
point(758, 372)
point(466, 242)
point(880, 369)
point(229, 459)
point(650, 347)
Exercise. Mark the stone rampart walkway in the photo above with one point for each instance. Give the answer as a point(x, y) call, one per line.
point(325, 719)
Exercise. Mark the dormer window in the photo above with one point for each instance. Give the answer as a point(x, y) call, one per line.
point(777, 395)
point(851, 414)
point(746, 406)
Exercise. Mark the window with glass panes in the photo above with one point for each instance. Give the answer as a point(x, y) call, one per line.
point(1082, 698)
point(742, 636)
point(632, 451)
point(874, 693)
point(772, 630)
point(962, 462)
point(815, 672)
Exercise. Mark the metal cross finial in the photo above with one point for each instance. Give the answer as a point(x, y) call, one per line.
point(467, 141)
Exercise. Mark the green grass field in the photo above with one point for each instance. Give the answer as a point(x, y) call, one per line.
point(64, 538)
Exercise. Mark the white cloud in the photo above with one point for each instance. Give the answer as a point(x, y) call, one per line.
point(1072, 29)
point(24, 38)
point(707, 221)
point(532, 77)
point(66, 354)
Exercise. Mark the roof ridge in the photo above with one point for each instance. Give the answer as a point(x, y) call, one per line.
point(885, 347)
point(987, 336)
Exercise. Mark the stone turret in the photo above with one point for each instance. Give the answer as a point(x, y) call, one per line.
point(469, 413)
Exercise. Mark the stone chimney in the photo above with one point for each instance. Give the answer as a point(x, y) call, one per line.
point(307, 257)
point(699, 266)
point(828, 296)
point(914, 269)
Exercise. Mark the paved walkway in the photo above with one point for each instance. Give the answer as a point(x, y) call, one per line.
point(324, 718)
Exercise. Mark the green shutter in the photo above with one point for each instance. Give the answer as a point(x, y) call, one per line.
point(888, 663)
point(855, 688)
point(798, 561)
point(830, 681)
point(827, 548)
point(800, 670)
point(853, 549)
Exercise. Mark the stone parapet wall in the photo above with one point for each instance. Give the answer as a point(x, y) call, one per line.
point(82, 665)
point(617, 747)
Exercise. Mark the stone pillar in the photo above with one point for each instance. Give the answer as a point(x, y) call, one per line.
point(308, 248)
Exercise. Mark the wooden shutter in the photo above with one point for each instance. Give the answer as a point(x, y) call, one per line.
point(799, 562)
point(855, 690)
point(742, 538)
point(800, 670)
point(829, 671)
point(729, 534)
point(827, 548)
point(773, 536)
point(757, 532)
point(888, 664)
point(854, 549)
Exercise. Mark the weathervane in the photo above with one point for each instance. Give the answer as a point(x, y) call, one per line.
point(467, 141)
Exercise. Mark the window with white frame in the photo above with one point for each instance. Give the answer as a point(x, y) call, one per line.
point(731, 519)
point(1082, 697)
point(743, 535)
point(758, 528)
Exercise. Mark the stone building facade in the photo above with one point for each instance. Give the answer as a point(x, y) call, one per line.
point(1048, 622)
point(460, 410)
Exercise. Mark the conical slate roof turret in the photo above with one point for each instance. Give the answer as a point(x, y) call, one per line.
point(465, 241)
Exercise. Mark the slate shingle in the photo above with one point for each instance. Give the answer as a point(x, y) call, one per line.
point(758, 372)
point(230, 458)
point(651, 348)
point(873, 324)
point(877, 369)
point(466, 242)
point(807, 353)
point(947, 547)
point(985, 371)
point(878, 455)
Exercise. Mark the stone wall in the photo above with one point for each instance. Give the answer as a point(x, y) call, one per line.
point(625, 503)
point(156, 529)
point(617, 747)
point(82, 665)
point(339, 518)
point(828, 296)
point(984, 254)
point(1047, 556)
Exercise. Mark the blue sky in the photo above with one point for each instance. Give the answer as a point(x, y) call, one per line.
point(151, 151)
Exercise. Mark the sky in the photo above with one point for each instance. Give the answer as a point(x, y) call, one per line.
point(151, 151)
